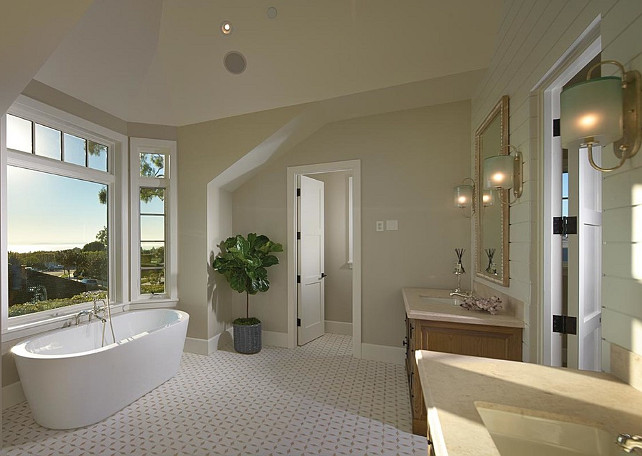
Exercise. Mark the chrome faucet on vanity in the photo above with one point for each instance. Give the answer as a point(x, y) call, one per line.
point(629, 442)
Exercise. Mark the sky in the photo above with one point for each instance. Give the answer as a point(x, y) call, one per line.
point(48, 209)
point(51, 212)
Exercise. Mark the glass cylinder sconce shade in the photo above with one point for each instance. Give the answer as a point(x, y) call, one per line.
point(499, 171)
point(463, 195)
point(591, 112)
point(487, 198)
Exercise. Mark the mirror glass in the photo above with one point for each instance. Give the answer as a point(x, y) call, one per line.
point(492, 205)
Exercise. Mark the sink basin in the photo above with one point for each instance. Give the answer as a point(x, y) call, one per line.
point(528, 433)
point(450, 301)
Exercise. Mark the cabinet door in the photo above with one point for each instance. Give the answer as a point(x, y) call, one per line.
point(473, 340)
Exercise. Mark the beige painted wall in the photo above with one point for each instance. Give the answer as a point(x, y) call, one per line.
point(533, 36)
point(205, 150)
point(338, 283)
point(410, 162)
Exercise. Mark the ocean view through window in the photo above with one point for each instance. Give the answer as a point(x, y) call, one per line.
point(57, 211)
point(56, 240)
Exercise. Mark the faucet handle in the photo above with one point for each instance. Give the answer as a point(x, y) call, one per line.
point(629, 442)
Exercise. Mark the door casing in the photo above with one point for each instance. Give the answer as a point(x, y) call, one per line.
point(354, 167)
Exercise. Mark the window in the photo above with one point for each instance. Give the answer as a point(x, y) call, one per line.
point(153, 223)
point(61, 188)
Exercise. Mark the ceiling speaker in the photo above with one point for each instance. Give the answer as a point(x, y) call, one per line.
point(235, 62)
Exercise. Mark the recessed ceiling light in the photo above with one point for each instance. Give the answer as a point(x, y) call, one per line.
point(226, 27)
point(272, 12)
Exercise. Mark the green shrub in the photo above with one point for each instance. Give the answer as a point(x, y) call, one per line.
point(28, 307)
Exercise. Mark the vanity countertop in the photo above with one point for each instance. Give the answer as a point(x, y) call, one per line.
point(452, 384)
point(419, 305)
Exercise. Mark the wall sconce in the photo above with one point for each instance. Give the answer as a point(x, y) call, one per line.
point(488, 199)
point(465, 195)
point(503, 172)
point(602, 111)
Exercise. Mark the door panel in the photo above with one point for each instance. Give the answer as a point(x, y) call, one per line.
point(310, 260)
point(585, 262)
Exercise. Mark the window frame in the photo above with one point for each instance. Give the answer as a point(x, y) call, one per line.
point(115, 178)
point(168, 182)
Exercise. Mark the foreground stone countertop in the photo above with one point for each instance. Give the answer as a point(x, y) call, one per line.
point(451, 385)
point(419, 306)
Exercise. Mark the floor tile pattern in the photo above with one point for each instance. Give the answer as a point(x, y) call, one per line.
point(313, 400)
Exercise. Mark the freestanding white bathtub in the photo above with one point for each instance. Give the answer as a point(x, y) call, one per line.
point(71, 381)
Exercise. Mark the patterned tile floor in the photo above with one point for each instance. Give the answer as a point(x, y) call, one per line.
point(313, 400)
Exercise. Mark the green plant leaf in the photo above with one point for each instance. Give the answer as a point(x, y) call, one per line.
point(243, 262)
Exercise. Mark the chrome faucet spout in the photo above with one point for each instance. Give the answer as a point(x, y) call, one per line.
point(629, 443)
point(461, 294)
point(80, 314)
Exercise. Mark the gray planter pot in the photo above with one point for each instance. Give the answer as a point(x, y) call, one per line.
point(247, 338)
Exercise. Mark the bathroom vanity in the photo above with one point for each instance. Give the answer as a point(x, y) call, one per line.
point(435, 321)
point(491, 407)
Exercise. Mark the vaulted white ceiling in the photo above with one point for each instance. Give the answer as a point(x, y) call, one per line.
point(161, 61)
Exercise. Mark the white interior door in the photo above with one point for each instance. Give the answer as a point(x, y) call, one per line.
point(310, 302)
point(552, 278)
point(585, 262)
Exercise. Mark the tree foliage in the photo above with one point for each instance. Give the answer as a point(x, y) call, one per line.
point(94, 246)
point(68, 259)
point(103, 237)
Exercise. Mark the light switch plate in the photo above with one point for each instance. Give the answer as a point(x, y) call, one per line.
point(392, 225)
point(379, 225)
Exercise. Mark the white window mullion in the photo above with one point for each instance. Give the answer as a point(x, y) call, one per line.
point(167, 149)
point(4, 264)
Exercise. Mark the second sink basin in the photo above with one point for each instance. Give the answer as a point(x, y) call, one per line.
point(522, 432)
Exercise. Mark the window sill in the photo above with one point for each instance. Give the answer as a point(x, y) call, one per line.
point(24, 329)
point(36, 327)
point(153, 303)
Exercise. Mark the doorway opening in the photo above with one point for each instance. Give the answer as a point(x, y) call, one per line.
point(571, 263)
point(332, 219)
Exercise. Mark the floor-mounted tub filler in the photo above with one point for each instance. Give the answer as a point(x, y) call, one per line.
point(70, 381)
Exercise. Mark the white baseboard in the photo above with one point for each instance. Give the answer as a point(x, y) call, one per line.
point(385, 353)
point(275, 339)
point(12, 395)
point(203, 346)
point(338, 327)
point(207, 347)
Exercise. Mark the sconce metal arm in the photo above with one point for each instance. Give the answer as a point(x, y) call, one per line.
point(627, 146)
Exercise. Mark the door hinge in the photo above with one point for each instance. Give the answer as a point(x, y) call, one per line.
point(298, 322)
point(298, 279)
point(298, 235)
point(564, 324)
point(298, 192)
point(564, 225)
point(556, 127)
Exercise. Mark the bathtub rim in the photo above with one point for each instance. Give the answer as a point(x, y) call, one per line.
point(20, 349)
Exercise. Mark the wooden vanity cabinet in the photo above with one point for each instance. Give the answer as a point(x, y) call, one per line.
point(488, 341)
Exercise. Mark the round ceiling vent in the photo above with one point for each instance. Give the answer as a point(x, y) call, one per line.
point(235, 62)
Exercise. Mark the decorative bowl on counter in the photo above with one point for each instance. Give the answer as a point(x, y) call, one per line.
point(491, 305)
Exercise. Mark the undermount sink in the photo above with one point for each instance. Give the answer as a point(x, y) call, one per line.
point(524, 433)
point(450, 301)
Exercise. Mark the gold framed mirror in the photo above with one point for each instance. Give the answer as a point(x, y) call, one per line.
point(491, 249)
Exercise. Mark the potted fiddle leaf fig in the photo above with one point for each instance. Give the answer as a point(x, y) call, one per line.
point(244, 262)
